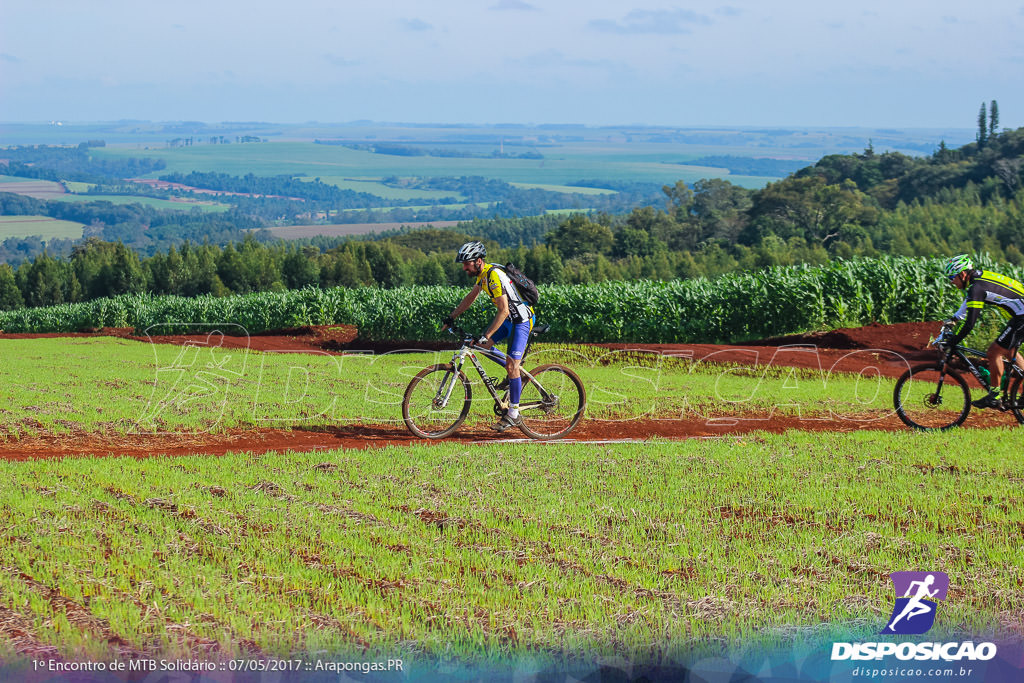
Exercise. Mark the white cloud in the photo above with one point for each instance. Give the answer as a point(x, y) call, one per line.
point(513, 5)
point(338, 60)
point(638, 21)
point(415, 25)
point(555, 59)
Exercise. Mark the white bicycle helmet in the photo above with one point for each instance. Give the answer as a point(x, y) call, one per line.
point(470, 251)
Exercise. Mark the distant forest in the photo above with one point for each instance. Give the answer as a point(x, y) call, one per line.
point(773, 168)
point(968, 199)
point(74, 164)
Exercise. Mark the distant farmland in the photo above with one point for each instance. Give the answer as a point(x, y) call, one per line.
point(38, 189)
point(294, 232)
point(564, 165)
point(49, 190)
point(41, 226)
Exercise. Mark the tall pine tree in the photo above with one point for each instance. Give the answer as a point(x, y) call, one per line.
point(982, 123)
point(993, 119)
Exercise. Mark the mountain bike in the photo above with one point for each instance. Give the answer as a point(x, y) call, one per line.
point(439, 397)
point(935, 396)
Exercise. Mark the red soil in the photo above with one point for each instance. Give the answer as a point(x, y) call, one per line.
point(886, 349)
point(330, 338)
point(379, 436)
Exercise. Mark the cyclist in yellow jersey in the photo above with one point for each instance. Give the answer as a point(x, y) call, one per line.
point(985, 288)
point(514, 320)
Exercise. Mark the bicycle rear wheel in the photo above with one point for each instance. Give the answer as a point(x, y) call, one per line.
point(553, 402)
point(1016, 399)
point(436, 401)
point(922, 403)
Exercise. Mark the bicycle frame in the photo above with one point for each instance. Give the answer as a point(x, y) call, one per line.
point(469, 350)
point(964, 353)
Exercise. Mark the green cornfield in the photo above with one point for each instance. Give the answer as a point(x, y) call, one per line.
point(731, 308)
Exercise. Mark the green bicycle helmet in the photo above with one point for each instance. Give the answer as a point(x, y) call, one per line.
point(957, 264)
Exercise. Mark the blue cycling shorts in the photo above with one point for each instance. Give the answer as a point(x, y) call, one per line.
point(520, 335)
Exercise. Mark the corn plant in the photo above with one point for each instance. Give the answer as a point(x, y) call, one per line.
point(733, 307)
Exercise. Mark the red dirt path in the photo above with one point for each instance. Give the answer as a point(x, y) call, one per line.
point(380, 436)
point(886, 349)
point(872, 349)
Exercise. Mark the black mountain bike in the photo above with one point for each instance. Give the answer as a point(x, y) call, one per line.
point(439, 397)
point(935, 396)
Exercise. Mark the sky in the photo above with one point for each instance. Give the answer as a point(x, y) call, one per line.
point(871, 63)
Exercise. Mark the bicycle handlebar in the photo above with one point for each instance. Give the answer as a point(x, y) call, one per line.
point(470, 340)
point(942, 341)
point(459, 332)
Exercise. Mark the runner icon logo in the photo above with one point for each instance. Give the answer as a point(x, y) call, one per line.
point(917, 596)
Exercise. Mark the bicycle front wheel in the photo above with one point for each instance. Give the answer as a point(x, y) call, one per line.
point(436, 401)
point(922, 402)
point(553, 402)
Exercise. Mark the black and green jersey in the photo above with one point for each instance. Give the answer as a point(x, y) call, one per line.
point(986, 288)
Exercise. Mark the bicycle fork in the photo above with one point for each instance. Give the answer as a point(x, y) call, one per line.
point(936, 398)
point(450, 379)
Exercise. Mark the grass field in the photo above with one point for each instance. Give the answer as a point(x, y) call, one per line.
point(375, 187)
point(640, 550)
point(478, 553)
point(292, 232)
point(564, 164)
point(49, 190)
point(563, 188)
point(145, 201)
point(42, 226)
point(384, 210)
point(115, 386)
point(30, 187)
point(77, 187)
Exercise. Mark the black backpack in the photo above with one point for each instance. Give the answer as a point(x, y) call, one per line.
point(524, 285)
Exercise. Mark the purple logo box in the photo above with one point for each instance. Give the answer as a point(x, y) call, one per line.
point(903, 580)
point(917, 596)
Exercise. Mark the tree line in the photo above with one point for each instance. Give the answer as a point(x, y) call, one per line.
point(142, 228)
point(45, 162)
point(866, 204)
point(646, 244)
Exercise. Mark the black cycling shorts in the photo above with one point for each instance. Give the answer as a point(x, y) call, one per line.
point(1013, 334)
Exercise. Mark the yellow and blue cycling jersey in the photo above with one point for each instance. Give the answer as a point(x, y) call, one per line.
point(495, 283)
point(519, 323)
